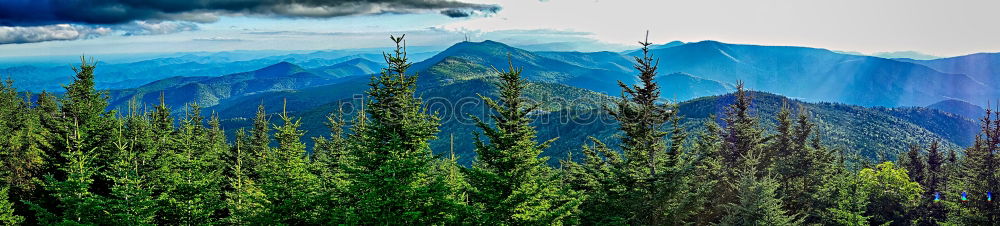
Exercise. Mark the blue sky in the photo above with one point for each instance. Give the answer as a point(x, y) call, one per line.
point(940, 28)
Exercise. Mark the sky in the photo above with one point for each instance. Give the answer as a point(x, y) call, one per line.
point(96, 27)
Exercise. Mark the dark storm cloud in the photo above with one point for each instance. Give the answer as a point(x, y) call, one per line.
point(46, 12)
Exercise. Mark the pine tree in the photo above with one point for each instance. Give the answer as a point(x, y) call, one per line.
point(245, 201)
point(285, 179)
point(131, 199)
point(757, 203)
point(512, 183)
point(708, 171)
point(7, 216)
point(599, 178)
point(933, 211)
point(327, 162)
point(192, 181)
point(260, 138)
point(84, 107)
point(914, 164)
point(76, 203)
point(392, 157)
point(742, 135)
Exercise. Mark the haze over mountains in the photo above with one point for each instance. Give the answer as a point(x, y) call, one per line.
point(863, 95)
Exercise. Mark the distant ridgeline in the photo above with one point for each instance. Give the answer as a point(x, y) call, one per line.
point(488, 134)
point(572, 83)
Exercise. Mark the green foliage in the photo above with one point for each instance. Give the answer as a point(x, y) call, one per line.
point(291, 189)
point(245, 201)
point(757, 203)
point(7, 216)
point(131, 198)
point(511, 183)
point(391, 161)
point(847, 201)
point(69, 161)
point(891, 193)
point(648, 182)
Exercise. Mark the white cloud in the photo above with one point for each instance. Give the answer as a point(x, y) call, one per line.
point(49, 33)
point(64, 32)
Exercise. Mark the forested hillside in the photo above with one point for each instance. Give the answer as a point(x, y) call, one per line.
point(504, 151)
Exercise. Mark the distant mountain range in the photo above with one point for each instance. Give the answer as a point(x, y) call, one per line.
point(858, 101)
point(210, 91)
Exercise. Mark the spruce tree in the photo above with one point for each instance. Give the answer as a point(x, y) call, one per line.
point(649, 182)
point(979, 172)
point(758, 202)
point(328, 160)
point(7, 216)
point(192, 181)
point(84, 108)
point(131, 199)
point(329, 155)
point(389, 179)
point(742, 134)
point(75, 203)
point(845, 199)
point(933, 211)
point(22, 144)
point(914, 164)
point(599, 178)
point(512, 184)
point(285, 179)
point(260, 138)
point(708, 172)
point(245, 201)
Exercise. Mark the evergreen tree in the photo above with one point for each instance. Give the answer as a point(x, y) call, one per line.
point(245, 201)
point(800, 166)
point(131, 199)
point(7, 216)
point(933, 211)
point(192, 181)
point(980, 173)
point(757, 203)
point(389, 179)
point(260, 137)
point(84, 108)
point(285, 179)
point(708, 171)
point(329, 155)
point(76, 204)
point(599, 178)
point(848, 201)
point(22, 144)
point(742, 135)
point(914, 164)
point(512, 185)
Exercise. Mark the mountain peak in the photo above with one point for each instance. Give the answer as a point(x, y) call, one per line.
point(484, 44)
point(278, 69)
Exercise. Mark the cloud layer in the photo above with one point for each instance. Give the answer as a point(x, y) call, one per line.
point(47, 12)
point(61, 32)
